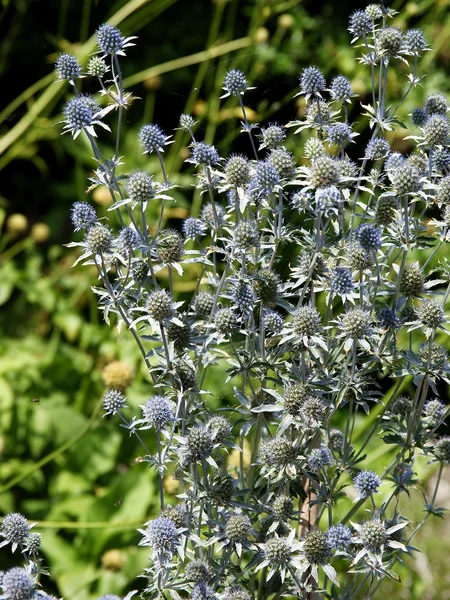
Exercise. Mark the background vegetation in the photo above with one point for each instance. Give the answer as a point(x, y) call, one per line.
point(61, 464)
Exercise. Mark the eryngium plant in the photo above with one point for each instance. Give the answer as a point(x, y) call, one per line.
point(357, 315)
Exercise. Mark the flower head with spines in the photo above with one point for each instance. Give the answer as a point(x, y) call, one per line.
point(193, 228)
point(15, 529)
point(140, 186)
point(338, 537)
point(111, 41)
point(157, 412)
point(272, 136)
point(83, 216)
point(82, 113)
point(360, 24)
point(113, 402)
point(153, 138)
point(235, 83)
point(204, 154)
point(312, 82)
point(17, 584)
point(367, 483)
point(67, 67)
point(341, 89)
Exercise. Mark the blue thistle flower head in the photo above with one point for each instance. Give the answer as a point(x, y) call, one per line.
point(266, 177)
point(338, 537)
point(319, 458)
point(157, 412)
point(394, 161)
point(128, 239)
point(83, 216)
point(367, 483)
point(273, 322)
point(67, 67)
point(152, 138)
point(109, 39)
point(339, 134)
point(377, 148)
point(193, 228)
point(419, 117)
point(204, 154)
point(243, 297)
point(434, 412)
point(79, 115)
point(387, 318)
point(15, 529)
point(161, 534)
point(235, 82)
point(341, 88)
point(359, 24)
point(17, 584)
point(312, 81)
point(341, 281)
point(369, 237)
point(414, 42)
point(113, 402)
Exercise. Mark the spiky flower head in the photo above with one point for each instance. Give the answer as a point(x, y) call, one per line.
point(441, 159)
point(359, 24)
point(203, 592)
point(412, 280)
point(388, 318)
point(374, 12)
point(140, 186)
point(15, 529)
point(33, 543)
point(277, 452)
point(180, 335)
point(357, 257)
point(323, 172)
point(187, 376)
point(127, 240)
point(306, 321)
point(152, 138)
point(313, 148)
point(389, 42)
point(369, 237)
point(193, 228)
point(159, 305)
point(117, 375)
point(434, 412)
point(356, 323)
point(265, 285)
point(341, 281)
point(319, 112)
point(199, 443)
point(139, 270)
point(109, 39)
point(443, 191)
point(235, 592)
point(243, 297)
point(341, 88)
point(272, 321)
point(431, 313)
point(420, 161)
point(97, 67)
point(157, 412)
point(237, 170)
point(204, 154)
point(79, 114)
point(203, 303)
point(313, 411)
point(170, 246)
point(67, 66)
point(394, 161)
point(197, 570)
point(419, 117)
point(208, 215)
point(442, 450)
point(83, 216)
point(245, 235)
point(186, 122)
point(283, 161)
point(17, 584)
point(436, 104)
point(436, 354)
point(338, 537)
point(113, 402)
point(367, 483)
point(401, 407)
point(99, 239)
point(283, 507)
point(316, 548)
point(336, 440)
point(294, 397)
point(178, 514)
point(436, 130)
point(161, 534)
point(225, 321)
point(385, 210)
point(272, 136)
point(406, 179)
point(237, 528)
point(235, 82)
point(312, 81)
point(373, 535)
point(220, 428)
point(339, 134)
point(377, 148)
point(278, 552)
point(414, 42)
point(313, 264)
point(318, 458)
point(266, 177)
